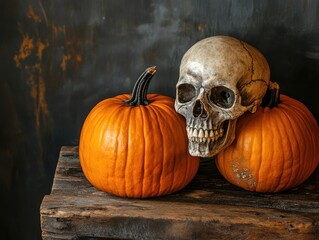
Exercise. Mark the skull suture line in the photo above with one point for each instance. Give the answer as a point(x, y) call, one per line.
point(220, 78)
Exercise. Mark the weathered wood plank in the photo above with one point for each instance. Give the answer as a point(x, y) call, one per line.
point(148, 220)
point(207, 187)
point(208, 208)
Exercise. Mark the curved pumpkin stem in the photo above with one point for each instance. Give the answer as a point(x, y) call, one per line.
point(139, 94)
point(272, 96)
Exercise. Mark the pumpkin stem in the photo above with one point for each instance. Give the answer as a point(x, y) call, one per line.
point(139, 94)
point(272, 96)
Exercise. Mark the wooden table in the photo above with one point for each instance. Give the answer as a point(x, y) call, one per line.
point(208, 208)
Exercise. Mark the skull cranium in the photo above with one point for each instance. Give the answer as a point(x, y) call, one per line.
point(221, 77)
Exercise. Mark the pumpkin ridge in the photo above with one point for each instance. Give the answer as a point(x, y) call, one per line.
point(307, 137)
point(188, 168)
point(261, 162)
point(169, 119)
point(118, 157)
point(163, 107)
point(143, 123)
point(221, 156)
point(159, 189)
point(171, 133)
point(300, 107)
point(159, 137)
point(251, 153)
point(113, 115)
point(90, 135)
point(140, 189)
point(128, 175)
point(306, 116)
point(152, 144)
point(162, 176)
point(261, 146)
point(173, 119)
point(299, 154)
point(234, 162)
point(280, 115)
point(172, 167)
point(99, 119)
point(302, 155)
point(148, 144)
point(273, 121)
point(119, 184)
point(99, 181)
point(228, 175)
point(314, 140)
point(301, 118)
point(255, 144)
point(128, 149)
point(296, 130)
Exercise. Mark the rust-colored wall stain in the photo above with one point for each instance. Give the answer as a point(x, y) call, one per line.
point(25, 50)
point(29, 59)
point(38, 89)
point(72, 46)
point(31, 15)
point(73, 54)
point(56, 30)
point(40, 47)
point(69, 57)
point(30, 48)
point(64, 61)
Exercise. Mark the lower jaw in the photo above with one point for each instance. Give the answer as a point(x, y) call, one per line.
point(207, 148)
point(203, 149)
point(210, 148)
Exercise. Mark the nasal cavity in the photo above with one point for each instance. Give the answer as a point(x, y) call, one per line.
point(199, 110)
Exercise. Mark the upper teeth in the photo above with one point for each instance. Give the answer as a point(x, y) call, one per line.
point(201, 135)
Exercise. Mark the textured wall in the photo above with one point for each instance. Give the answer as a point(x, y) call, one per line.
point(59, 58)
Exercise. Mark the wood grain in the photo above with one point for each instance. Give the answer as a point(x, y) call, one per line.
point(208, 208)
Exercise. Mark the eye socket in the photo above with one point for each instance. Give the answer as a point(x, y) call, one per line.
point(185, 92)
point(222, 96)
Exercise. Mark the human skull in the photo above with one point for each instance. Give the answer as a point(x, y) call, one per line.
point(221, 77)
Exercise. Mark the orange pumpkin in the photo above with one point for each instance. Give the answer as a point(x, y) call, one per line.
point(136, 147)
point(275, 148)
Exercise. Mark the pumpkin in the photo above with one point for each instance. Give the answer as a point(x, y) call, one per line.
point(136, 145)
point(276, 148)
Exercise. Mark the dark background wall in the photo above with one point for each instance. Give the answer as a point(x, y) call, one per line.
point(59, 58)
